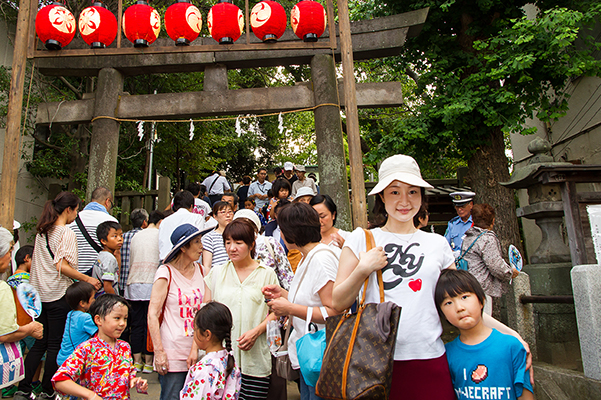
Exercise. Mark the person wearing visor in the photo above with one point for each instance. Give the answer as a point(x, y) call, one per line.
point(456, 228)
point(180, 276)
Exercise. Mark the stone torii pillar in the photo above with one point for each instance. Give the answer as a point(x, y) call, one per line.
point(328, 134)
point(104, 144)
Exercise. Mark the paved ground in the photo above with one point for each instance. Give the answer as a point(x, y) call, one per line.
point(154, 389)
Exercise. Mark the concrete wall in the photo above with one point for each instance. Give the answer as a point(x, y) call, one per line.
point(574, 138)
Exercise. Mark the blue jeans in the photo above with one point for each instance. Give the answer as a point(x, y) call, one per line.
point(171, 385)
point(307, 392)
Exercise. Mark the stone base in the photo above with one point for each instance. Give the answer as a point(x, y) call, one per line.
point(556, 328)
point(553, 383)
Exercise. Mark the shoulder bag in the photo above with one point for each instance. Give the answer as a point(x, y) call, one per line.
point(460, 261)
point(283, 365)
point(359, 356)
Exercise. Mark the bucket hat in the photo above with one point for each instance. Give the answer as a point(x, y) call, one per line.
point(304, 191)
point(399, 168)
point(182, 235)
point(249, 214)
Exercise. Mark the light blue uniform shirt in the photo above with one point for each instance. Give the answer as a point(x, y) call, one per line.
point(456, 229)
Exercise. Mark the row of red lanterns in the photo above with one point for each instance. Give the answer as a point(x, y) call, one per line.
point(55, 24)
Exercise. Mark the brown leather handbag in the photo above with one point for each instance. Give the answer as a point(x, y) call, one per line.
point(359, 356)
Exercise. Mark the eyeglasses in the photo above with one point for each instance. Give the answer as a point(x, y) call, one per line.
point(112, 205)
point(225, 212)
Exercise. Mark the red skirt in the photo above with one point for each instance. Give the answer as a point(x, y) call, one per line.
point(422, 380)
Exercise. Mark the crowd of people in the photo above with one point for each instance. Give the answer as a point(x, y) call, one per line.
point(189, 292)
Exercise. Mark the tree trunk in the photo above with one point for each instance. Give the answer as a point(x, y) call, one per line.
point(487, 167)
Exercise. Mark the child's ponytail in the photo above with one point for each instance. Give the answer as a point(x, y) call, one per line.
point(230, 355)
point(217, 318)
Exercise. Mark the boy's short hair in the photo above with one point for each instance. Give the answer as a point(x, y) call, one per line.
point(194, 188)
point(102, 231)
point(183, 199)
point(104, 304)
point(453, 282)
point(155, 217)
point(26, 250)
point(79, 291)
point(137, 217)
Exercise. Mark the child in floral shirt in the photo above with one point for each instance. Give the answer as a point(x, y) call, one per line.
point(103, 365)
point(216, 376)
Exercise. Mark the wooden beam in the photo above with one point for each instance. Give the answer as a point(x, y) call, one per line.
point(202, 104)
point(358, 201)
point(12, 137)
point(379, 37)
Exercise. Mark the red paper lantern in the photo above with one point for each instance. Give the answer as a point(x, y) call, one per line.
point(183, 22)
point(141, 24)
point(55, 26)
point(97, 26)
point(308, 19)
point(225, 22)
point(268, 20)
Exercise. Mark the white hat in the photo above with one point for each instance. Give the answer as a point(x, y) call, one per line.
point(288, 166)
point(304, 191)
point(249, 214)
point(461, 198)
point(399, 168)
point(300, 168)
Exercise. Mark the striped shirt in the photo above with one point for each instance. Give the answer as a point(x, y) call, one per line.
point(90, 219)
point(213, 243)
point(125, 257)
point(50, 283)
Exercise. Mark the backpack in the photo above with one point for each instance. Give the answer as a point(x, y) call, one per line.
point(460, 261)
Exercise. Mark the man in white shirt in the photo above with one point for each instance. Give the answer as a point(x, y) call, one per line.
point(216, 185)
point(258, 190)
point(182, 205)
point(303, 181)
point(88, 219)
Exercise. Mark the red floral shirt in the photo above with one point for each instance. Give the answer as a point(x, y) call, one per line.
point(98, 367)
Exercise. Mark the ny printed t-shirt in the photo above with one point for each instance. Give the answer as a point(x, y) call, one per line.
point(493, 369)
point(183, 300)
point(414, 265)
point(106, 269)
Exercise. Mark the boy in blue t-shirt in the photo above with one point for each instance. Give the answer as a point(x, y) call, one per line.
point(79, 326)
point(106, 267)
point(484, 363)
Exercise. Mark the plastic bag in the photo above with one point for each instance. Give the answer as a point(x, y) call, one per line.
point(274, 336)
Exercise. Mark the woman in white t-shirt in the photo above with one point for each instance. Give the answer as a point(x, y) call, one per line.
point(330, 235)
point(310, 294)
point(411, 261)
point(178, 291)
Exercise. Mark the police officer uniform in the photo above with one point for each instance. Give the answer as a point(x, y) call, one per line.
point(456, 227)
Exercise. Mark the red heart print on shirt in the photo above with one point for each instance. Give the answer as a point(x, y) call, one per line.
point(415, 285)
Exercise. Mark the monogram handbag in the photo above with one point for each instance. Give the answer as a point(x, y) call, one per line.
point(359, 356)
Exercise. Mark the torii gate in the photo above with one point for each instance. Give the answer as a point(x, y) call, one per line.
point(374, 38)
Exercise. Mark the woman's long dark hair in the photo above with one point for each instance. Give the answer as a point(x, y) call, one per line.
point(217, 318)
point(54, 208)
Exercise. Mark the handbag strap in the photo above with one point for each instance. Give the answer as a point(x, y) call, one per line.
point(468, 249)
point(48, 247)
point(161, 316)
point(86, 235)
point(370, 243)
point(324, 314)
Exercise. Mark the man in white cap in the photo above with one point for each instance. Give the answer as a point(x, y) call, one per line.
point(302, 181)
point(456, 228)
point(289, 172)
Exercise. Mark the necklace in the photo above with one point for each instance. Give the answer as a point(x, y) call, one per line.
point(398, 234)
